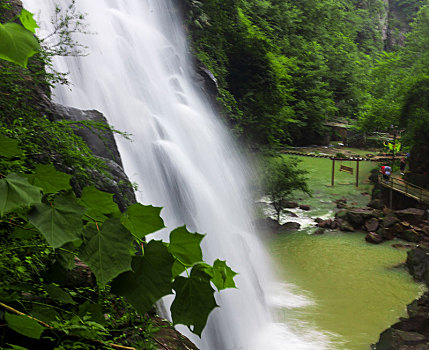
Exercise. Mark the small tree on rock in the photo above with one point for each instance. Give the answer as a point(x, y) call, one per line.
point(281, 177)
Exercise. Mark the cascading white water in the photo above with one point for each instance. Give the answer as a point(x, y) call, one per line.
point(138, 74)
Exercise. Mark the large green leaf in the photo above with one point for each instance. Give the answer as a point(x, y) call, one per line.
point(98, 203)
point(9, 147)
point(49, 179)
point(193, 302)
point(17, 44)
point(150, 279)
point(24, 325)
point(59, 294)
point(45, 313)
point(15, 347)
point(107, 251)
point(185, 246)
point(220, 274)
point(94, 310)
point(27, 20)
point(60, 222)
point(16, 192)
point(223, 276)
point(142, 219)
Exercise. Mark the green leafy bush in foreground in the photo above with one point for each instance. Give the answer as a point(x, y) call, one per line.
point(92, 229)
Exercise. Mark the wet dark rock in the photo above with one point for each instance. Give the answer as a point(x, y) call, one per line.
point(341, 214)
point(358, 216)
point(395, 339)
point(372, 225)
point(325, 223)
point(290, 226)
point(319, 231)
point(418, 263)
point(373, 237)
point(116, 182)
point(206, 80)
point(335, 225)
point(304, 207)
point(100, 142)
point(389, 221)
point(391, 231)
point(412, 215)
point(376, 204)
point(289, 204)
point(346, 226)
point(410, 235)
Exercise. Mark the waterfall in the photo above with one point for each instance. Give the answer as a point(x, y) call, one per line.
point(138, 74)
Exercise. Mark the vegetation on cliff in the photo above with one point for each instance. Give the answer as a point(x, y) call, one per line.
point(285, 68)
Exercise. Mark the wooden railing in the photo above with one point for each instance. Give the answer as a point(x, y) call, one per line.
point(406, 188)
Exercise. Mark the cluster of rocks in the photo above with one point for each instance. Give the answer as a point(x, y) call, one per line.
point(379, 222)
point(271, 225)
point(412, 332)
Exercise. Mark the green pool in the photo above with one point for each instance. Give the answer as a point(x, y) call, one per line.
point(354, 289)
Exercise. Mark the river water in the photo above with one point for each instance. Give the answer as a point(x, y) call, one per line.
point(351, 290)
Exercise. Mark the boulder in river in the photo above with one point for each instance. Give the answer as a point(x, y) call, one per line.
point(346, 226)
point(373, 237)
point(358, 216)
point(319, 231)
point(304, 207)
point(391, 231)
point(412, 215)
point(376, 204)
point(410, 235)
point(418, 263)
point(389, 221)
point(290, 226)
point(371, 225)
point(325, 223)
point(289, 204)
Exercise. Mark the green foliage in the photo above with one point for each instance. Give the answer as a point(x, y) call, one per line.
point(185, 246)
point(49, 179)
point(284, 67)
point(9, 147)
point(24, 325)
point(104, 243)
point(17, 44)
point(141, 220)
point(16, 193)
point(98, 203)
point(60, 221)
point(281, 178)
point(28, 21)
point(193, 302)
point(150, 279)
point(106, 250)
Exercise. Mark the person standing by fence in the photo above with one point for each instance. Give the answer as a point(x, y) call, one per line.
point(402, 165)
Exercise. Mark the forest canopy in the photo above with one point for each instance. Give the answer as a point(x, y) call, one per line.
point(285, 68)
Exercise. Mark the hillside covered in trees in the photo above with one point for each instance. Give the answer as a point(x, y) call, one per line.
point(285, 68)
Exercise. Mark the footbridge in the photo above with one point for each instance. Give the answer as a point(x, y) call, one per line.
point(406, 188)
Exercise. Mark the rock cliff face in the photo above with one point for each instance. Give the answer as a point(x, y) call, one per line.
point(101, 142)
point(396, 22)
